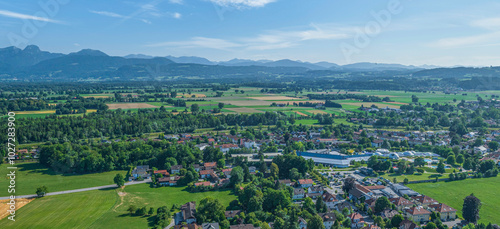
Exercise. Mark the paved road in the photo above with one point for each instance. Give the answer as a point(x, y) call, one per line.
point(79, 190)
point(172, 222)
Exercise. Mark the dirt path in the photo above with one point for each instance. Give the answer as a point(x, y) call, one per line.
point(19, 204)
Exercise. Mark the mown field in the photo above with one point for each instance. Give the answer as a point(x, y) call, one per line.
point(105, 208)
point(76, 210)
point(453, 193)
point(30, 176)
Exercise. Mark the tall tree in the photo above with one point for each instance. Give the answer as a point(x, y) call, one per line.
point(315, 222)
point(210, 210)
point(119, 180)
point(471, 207)
point(349, 184)
point(381, 204)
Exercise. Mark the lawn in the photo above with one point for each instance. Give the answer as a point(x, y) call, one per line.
point(414, 177)
point(142, 195)
point(105, 208)
point(77, 210)
point(30, 176)
point(453, 193)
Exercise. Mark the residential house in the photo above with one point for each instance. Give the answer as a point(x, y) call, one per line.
point(210, 226)
point(210, 165)
point(175, 169)
point(204, 174)
point(330, 200)
point(328, 219)
point(305, 183)
point(315, 189)
point(197, 167)
point(407, 224)
point(401, 202)
point(360, 191)
point(252, 169)
point(242, 226)
point(447, 213)
point(203, 183)
point(287, 182)
point(302, 223)
point(298, 193)
point(388, 213)
point(418, 214)
point(162, 172)
point(226, 147)
point(141, 171)
point(187, 213)
point(342, 205)
point(231, 214)
point(227, 172)
point(187, 226)
point(371, 226)
point(357, 220)
point(424, 200)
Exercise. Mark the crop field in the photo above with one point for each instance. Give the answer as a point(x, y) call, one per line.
point(453, 193)
point(276, 98)
point(114, 106)
point(31, 175)
point(244, 110)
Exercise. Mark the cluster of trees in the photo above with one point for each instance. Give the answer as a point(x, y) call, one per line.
point(119, 123)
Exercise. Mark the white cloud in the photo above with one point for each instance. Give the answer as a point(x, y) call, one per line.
point(146, 21)
point(488, 23)
point(266, 41)
point(176, 1)
point(108, 14)
point(11, 14)
point(242, 3)
point(176, 15)
point(476, 40)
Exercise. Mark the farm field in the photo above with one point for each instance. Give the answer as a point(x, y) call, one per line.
point(76, 210)
point(453, 193)
point(114, 106)
point(31, 175)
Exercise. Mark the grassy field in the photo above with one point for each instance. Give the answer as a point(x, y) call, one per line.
point(142, 195)
point(77, 210)
point(453, 193)
point(30, 176)
point(105, 208)
point(414, 177)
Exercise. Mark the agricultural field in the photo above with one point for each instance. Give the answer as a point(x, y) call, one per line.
point(114, 106)
point(452, 193)
point(31, 175)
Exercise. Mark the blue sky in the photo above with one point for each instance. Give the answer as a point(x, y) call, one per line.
point(444, 32)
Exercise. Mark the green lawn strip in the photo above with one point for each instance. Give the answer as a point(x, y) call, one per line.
point(453, 193)
point(75, 210)
point(31, 175)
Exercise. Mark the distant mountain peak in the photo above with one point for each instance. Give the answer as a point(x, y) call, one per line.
point(89, 52)
point(31, 48)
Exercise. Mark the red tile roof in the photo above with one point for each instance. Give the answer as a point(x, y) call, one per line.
point(418, 211)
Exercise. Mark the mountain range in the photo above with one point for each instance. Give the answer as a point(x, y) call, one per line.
point(33, 64)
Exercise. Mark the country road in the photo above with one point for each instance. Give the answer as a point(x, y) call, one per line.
point(79, 190)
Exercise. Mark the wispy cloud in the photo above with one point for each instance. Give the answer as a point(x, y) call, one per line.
point(468, 41)
point(242, 3)
point(487, 23)
point(11, 14)
point(108, 14)
point(176, 1)
point(277, 39)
